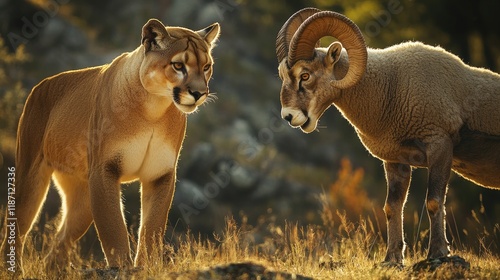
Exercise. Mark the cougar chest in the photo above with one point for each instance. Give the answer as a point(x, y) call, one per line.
point(146, 155)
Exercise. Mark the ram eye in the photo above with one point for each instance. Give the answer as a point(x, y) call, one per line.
point(304, 76)
point(178, 65)
point(207, 67)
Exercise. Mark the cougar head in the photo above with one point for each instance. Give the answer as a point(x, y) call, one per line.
point(178, 63)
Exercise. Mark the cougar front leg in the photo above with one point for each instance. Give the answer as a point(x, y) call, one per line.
point(439, 156)
point(106, 205)
point(156, 198)
point(398, 181)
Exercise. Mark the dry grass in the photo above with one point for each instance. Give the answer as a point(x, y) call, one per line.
point(335, 250)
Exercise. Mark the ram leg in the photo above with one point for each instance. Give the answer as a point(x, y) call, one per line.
point(439, 163)
point(398, 178)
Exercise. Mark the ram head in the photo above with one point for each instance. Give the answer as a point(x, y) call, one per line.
point(312, 76)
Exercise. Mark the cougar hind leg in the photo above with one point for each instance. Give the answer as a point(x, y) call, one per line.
point(31, 187)
point(32, 172)
point(75, 221)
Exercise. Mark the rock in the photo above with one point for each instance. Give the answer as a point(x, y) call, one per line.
point(200, 161)
point(267, 188)
point(180, 10)
point(452, 262)
point(245, 270)
point(324, 155)
point(242, 177)
point(213, 12)
point(60, 32)
point(189, 202)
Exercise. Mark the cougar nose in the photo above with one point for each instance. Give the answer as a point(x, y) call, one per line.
point(196, 94)
point(288, 118)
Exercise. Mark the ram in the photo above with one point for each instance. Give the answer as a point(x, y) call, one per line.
point(412, 105)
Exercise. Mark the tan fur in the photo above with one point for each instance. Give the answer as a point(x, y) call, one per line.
point(95, 128)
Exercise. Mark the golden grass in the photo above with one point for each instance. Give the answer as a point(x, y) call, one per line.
point(336, 248)
point(345, 251)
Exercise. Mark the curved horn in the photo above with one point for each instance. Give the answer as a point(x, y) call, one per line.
point(336, 25)
point(289, 28)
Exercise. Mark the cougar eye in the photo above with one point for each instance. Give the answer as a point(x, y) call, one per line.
point(304, 76)
point(207, 67)
point(178, 65)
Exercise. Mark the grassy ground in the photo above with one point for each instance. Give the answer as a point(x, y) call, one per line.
point(336, 250)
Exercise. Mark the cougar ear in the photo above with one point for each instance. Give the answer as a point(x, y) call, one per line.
point(210, 33)
point(153, 32)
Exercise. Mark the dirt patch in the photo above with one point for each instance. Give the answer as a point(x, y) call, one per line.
point(245, 270)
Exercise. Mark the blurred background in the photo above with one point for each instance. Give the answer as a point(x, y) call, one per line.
point(239, 158)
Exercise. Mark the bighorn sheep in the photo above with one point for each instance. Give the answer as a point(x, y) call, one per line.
point(412, 105)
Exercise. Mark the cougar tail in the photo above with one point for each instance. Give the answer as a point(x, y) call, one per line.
point(32, 173)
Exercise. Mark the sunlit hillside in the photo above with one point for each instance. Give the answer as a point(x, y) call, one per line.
point(286, 204)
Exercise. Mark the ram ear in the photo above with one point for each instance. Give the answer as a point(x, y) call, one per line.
point(211, 33)
point(333, 54)
point(153, 34)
